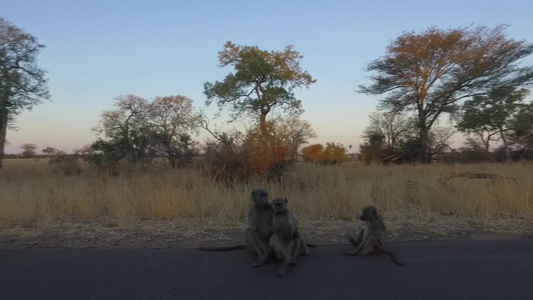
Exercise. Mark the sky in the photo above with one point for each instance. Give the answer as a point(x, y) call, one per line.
point(99, 49)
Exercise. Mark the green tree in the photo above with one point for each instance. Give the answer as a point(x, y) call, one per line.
point(430, 72)
point(262, 81)
point(333, 154)
point(124, 131)
point(22, 82)
point(492, 114)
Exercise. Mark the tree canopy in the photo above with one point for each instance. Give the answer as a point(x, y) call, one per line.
point(492, 114)
point(22, 82)
point(430, 72)
point(262, 81)
point(139, 129)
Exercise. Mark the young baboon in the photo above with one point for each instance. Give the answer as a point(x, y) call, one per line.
point(371, 237)
point(285, 240)
point(258, 229)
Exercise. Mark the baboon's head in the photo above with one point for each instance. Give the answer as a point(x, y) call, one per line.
point(280, 205)
point(369, 213)
point(260, 197)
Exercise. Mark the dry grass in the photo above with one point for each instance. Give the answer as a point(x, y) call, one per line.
point(410, 196)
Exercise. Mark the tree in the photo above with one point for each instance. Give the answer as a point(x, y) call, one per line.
point(125, 130)
point(138, 130)
point(438, 143)
point(492, 115)
point(430, 72)
point(522, 128)
point(474, 151)
point(333, 154)
point(313, 152)
point(49, 150)
point(28, 150)
point(262, 81)
point(171, 119)
point(266, 161)
point(387, 128)
point(295, 132)
point(439, 140)
point(22, 82)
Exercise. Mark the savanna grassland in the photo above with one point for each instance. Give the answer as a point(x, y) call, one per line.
point(72, 205)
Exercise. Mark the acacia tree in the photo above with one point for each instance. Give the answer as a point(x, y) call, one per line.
point(28, 150)
point(22, 82)
point(491, 115)
point(262, 81)
point(171, 119)
point(49, 150)
point(430, 72)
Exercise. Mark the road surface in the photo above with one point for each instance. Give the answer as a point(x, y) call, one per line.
point(469, 269)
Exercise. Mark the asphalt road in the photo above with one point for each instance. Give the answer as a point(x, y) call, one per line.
point(488, 269)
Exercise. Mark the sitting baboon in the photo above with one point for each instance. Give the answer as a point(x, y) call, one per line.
point(285, 241)
point(371, 237)
point(258, 228)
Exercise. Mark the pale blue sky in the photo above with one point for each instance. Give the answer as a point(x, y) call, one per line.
point(97, 50)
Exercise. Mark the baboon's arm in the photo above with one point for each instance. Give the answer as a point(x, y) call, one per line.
point(360, 236)
point(358, 243)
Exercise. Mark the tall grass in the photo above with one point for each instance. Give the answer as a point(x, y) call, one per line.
point(37, 191)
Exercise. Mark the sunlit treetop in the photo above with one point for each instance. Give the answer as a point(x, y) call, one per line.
point(261, 80)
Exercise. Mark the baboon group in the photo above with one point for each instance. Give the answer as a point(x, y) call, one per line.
point(272, 231)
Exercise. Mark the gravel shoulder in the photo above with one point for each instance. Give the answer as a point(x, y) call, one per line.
point(191, 233)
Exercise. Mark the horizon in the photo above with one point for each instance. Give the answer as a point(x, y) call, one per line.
point(96, 51)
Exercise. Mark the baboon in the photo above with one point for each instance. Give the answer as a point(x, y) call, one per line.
point(285, 241)
point(371, 237)
point(258, 229)
point(259, 226)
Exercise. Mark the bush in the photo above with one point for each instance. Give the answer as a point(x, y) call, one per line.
point(236, 158)
point(65, 164)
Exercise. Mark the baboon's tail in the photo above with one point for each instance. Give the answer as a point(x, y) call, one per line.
point(229, 248)
point(353, 241)
point(392, 257)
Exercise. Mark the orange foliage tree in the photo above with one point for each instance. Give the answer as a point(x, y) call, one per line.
point(265, 152)
point(313, 152)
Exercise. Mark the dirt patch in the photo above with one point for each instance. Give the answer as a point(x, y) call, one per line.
point(192, 233)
